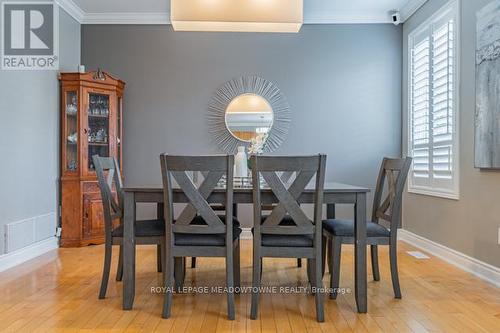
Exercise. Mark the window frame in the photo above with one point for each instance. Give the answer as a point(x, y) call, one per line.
point(451, 8)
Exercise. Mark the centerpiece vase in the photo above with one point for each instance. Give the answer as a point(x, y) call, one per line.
point(240, 163)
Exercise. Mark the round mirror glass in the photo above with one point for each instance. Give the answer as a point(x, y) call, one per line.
point(248, 116)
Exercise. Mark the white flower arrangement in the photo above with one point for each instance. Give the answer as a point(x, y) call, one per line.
point(257, 144)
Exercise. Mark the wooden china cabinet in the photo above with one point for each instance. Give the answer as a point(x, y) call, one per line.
point(91, 123)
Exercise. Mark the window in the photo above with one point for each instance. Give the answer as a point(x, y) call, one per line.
point(433, 105)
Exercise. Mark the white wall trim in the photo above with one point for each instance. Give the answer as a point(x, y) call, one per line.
point(72, 9)
point(320, 17)
point(410, 8)
point(164, 18)
point(474, 266)
point(325, 17)
point(20, 256)
point(126, 18)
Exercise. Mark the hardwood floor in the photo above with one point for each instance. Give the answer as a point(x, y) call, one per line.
point(58, 292)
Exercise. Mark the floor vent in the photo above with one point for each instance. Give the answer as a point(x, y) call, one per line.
point(23, 233)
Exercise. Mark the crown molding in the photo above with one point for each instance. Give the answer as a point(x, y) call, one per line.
point(164, 18)
point(72, 9)
point(331, 17)
point(126, 18)
point(323, 17)
point(410, 8)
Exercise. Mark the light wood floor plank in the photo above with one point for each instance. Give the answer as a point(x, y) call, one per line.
point(57, 292)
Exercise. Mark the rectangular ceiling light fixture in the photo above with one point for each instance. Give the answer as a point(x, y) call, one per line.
point(237, 15)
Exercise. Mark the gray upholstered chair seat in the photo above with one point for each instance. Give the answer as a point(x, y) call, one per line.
point(204, 239)
point(345, 228)
point(148, 228)
point(272, 240)
point(276, 240)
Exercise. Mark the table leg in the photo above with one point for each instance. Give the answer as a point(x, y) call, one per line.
point(235, 210)
point(330, 211)
point(360, 253)
point(330, 214)
point(129, 251)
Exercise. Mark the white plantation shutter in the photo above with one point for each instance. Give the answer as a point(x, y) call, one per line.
point(433, 140)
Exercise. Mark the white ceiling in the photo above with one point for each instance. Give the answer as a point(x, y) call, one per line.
point(315, 11)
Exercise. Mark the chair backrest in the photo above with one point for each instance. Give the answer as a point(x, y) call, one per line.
point(179, 168)
point(305, 167)
point(392, 178)
point(109, 177)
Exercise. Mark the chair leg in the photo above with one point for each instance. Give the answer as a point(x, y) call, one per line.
point(256, 276)
point(230, 285)
point(193, 262)
point(119, 269)
point(324, 241)
point(158, 258)
point(329, 248)
point(318, 270)
point(335, 264)
point(299, 262)
point(169, 285)
point(163, 255)
point(236, 258)
point(374, 255)
point(393, 258)
point(106, 268)
point(310, 272)
point(261, 267)
point(179, 272)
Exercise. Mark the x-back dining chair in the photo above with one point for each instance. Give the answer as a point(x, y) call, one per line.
point(199, 231)
point(393, 173)
point(300, 239)
point(217, 207)
point(146, 232)
point(285, 177)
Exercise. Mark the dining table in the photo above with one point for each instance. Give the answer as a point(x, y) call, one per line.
point(334, 193)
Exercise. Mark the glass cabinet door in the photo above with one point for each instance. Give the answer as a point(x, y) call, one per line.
point(98, 127)
point(71, 131)
point(119, 131)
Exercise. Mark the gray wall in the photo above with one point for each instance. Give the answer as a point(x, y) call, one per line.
point(29, 134)
point(470, 224)
point(343, 83)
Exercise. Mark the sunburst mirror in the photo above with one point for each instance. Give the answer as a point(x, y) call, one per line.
point(247, 109)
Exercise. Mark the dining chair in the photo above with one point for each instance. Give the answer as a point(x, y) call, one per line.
point(285, 177)
point(391, 181)
point(300, 239)
point(199, 231)
point(149, 232)
point(287, 220)
point(216, 207)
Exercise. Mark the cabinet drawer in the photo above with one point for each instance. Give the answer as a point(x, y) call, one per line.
point(93, 187)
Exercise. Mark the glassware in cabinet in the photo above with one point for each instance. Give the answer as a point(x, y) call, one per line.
point(71, 131)
point(98, 116)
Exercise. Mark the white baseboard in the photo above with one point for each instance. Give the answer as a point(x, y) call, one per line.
point(15, 258)
point(480, 269)
point(246, 233)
